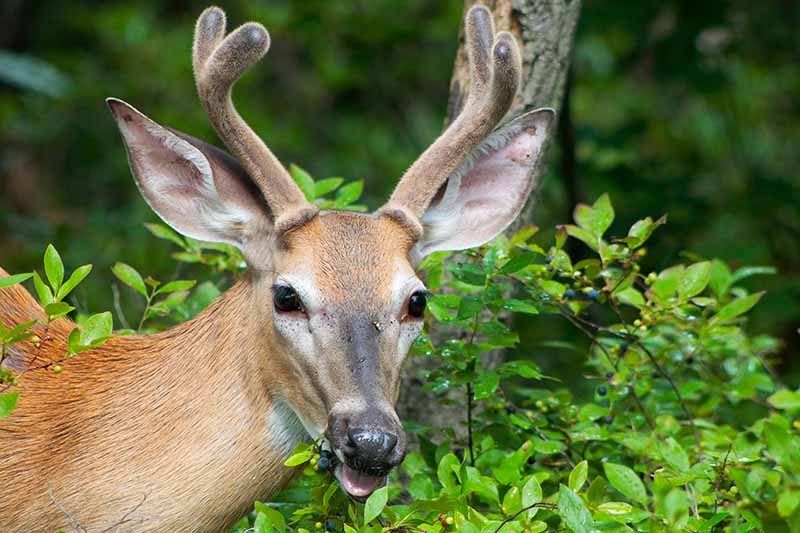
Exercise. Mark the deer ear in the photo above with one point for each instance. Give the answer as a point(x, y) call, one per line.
point(194, 187)
point(489, 189)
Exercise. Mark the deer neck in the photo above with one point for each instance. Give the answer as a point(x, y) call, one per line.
point(211, 405)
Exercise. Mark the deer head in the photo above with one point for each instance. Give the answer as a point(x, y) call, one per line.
point(341, 300)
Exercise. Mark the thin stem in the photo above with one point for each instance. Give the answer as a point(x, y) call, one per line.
point(144, 313)
point(720, 475)
point(469, 424)
point(511, 518)
point(615, 364)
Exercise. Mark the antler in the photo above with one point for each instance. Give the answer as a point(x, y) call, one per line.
point(218, 62)
point(494, 71)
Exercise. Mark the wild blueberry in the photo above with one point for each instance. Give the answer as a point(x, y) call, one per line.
point(601, 391)
point(330, 525)
point(608, 419)
point(550, 269)
point(569, 294)
point(593, 294)
point(548, 259)
point(623, 346)
point(326, 453)
point(689, 360)
point(323, 463)
point(609, 375)
point(510, 409)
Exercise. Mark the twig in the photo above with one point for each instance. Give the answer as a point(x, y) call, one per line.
point(469, 424)
point(615, 364)
point(665, 375)
point(127, 516)
point(550, 506)
point(72, 522)
point(719, 478)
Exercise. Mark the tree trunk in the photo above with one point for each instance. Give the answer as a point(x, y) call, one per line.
point(545, 30)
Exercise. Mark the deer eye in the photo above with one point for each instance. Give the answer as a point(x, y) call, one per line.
point(416, 304)
point(286, 299)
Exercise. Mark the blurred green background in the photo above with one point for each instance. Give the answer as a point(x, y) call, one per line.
point(685, 108)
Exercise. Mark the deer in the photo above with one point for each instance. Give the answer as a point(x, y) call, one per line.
point(182, 430)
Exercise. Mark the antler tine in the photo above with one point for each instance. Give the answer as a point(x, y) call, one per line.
point(219, 62)
point(495, 71)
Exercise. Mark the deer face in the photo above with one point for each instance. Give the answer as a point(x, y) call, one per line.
point(347, 305)
point(343, 302)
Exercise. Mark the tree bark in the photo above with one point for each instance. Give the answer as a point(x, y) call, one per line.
point(545, 31)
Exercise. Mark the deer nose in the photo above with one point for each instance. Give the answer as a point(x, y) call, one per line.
point(370, 446)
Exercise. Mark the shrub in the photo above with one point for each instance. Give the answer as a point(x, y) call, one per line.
point(688, 428)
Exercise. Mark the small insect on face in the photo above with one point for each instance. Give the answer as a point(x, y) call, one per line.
point(347, 305)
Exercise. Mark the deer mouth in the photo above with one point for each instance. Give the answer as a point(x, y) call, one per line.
point(358, 485)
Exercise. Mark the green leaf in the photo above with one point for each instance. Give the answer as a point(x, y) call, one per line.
point(746, 272)
point(674, 455)
point(328, 185)
point(531, 494)
point(693, 280)
point(375, 504)
point(304, 181)
point(667, 281)
point(522, 368)
point(74, 345)
point(469, 307)
point(57, 310)
point(615, 508)
point(299, 457)
point(721, 278)
point(130, 277)
point(573, 511)
point(626, 481)
point(709, 524)
point(785, 399)
point(553, 288)
point(641, 231)
point(53, 267)
point(737, 307)
point(166, 233)
point(42, 290)
point(578, 476)
point(15, 279)
point(468, 273)
point(276, 519)
point(176, 286)
point(517, 263)
point(597, 218)
point(444, 471)
point(582, 235)
point(485, 384)
point(519, 306)
point(630, 296)
point(348, 194)
point(8, 401)
point(788, 502)
point(262, 524)
point(97, 328)
point(77, 276)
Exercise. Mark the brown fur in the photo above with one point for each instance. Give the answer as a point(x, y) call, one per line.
point(180, 419)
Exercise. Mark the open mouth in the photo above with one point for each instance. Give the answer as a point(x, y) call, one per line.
point(358, 485)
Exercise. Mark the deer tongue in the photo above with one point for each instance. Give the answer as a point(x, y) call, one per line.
point(360, 484)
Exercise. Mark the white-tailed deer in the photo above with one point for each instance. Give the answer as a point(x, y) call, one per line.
point(190, 426)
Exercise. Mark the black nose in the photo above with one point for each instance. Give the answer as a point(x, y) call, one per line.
point(369, 446)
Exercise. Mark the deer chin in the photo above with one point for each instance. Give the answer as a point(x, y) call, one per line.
point(358, 485)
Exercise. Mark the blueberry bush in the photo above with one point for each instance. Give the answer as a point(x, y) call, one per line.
point(688, 427)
